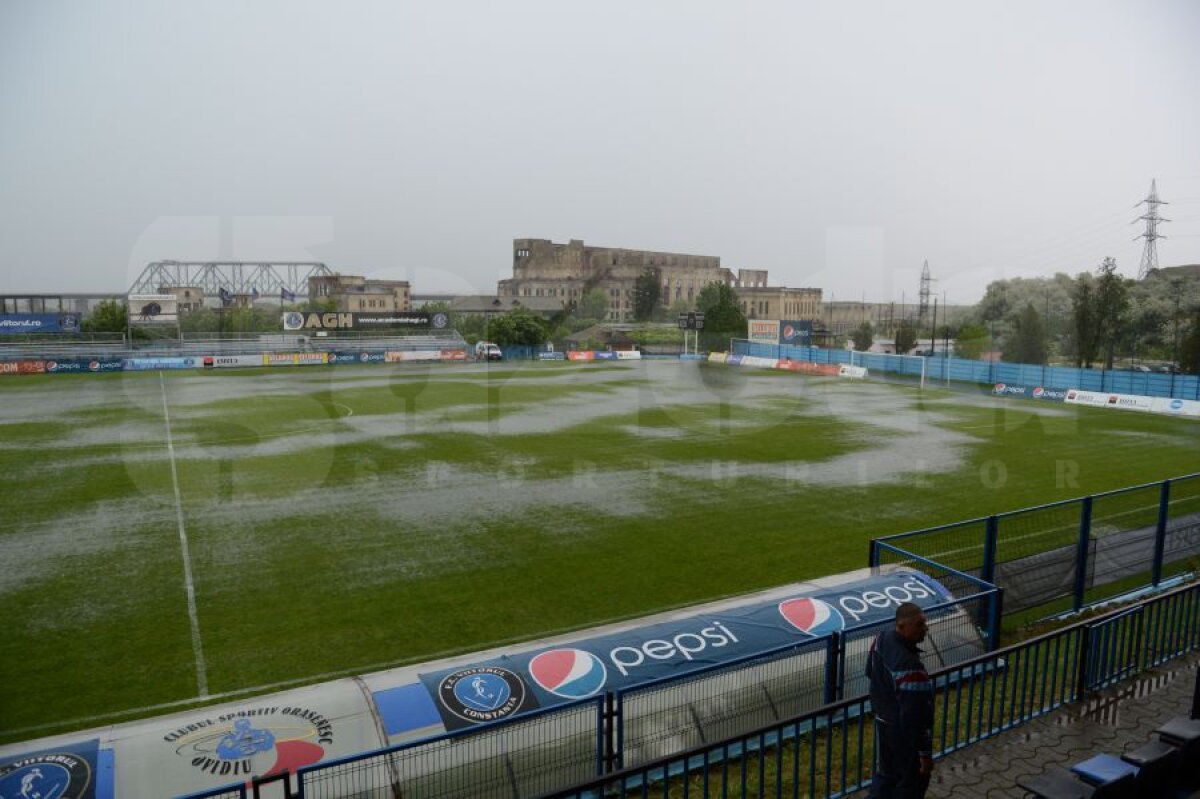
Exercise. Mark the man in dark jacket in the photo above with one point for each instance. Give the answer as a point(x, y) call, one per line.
point(902, 700)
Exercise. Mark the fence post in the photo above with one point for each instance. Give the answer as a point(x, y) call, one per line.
point(831, 668)
point(1081, 551)
point(1081, 668)
point(996, 614)
point(1160, 532)
point(612, 749)
point(873, 555)
point(989, 550)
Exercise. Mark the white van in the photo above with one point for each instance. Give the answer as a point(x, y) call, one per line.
point(487, 351)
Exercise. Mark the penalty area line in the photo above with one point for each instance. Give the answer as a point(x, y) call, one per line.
point(189, 587)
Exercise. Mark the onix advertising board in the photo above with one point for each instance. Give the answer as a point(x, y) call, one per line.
point(18, 323)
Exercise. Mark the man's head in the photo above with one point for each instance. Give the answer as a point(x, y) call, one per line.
point(910, 622)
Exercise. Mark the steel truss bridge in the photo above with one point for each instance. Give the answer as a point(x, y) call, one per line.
point(236, 277)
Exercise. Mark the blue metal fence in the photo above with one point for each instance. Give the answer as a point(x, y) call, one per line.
point(828, 752)
point(1067, 555)
point(939, 369)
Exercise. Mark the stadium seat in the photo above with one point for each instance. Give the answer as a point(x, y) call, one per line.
point(1184, 734)
point(1058, 783)
point(1156, 762)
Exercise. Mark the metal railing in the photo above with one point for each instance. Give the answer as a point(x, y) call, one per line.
point(1067, 555)
point(828, 752)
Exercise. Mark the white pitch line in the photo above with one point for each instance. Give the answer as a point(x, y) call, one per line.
point(197, 649)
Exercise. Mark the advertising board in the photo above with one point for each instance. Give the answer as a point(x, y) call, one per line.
point(1176, 407)
point(1007, 389)
point(153, 309)
point(580, 355)
point(18, 323)
point(628, 355)
point(157, 364)
point(759, 362)
point(511, 684)
point(552, 356)
point(845, 370)
point(294, 358)
point(230, 361)
point(763, 330)
point(425, 355)
point(717, 357)
point(796, 333)
point(810, 368)
point(346, 320)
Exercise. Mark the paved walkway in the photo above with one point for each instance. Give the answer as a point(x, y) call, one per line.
point(1116, 721)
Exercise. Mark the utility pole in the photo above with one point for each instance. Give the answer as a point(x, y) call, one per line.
point(1151, 218)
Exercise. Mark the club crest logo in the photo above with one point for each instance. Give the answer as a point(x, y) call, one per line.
point(569, 673)
point(811, 616)
point(57, 775)
point(482, 694)
point(293, 320)
point(440, 320)
point(262, 741)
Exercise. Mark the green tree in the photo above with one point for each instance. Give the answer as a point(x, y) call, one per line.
point(906, 337)
point(109, 316)
point(1112, 308)
point(1086, 339)
point(722, 314)
point(863, 336)
point(518, 327)
point(1028, 342)
point(593, 305)
point(1189, 347)
point(971, 342)
point(646, 292)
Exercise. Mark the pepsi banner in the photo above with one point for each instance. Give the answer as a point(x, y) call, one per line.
point(64, 772)
point(512, 684)
point(795, 333)
point(21, 323)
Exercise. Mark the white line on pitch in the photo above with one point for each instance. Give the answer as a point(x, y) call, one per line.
point(197, 650)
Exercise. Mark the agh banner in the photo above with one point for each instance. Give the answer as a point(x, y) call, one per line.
point(512, 684)
point(18, 323)
point(764, 330)
point(344, 320)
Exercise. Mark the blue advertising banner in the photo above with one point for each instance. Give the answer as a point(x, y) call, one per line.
point(1037, 392)
point(552, 356)
point(511, 684)
point(13, 324)
point(155, 364)
point(796, 333)
point(65, 772)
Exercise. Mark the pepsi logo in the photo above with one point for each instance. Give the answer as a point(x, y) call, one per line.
point(569, 673)
point(94, 366)
point(1176, 404)
point(1039, 391)
point(1071, 395)
point(364, 357)
point(812, 616)
point(998, 388)
point(51, 366)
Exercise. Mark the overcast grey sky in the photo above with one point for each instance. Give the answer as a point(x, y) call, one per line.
point(835, 144)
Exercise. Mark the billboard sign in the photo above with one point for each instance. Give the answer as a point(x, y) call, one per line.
point(765, 331)
point(155, 364)
point(511, 684)
point(67, 772)
point(796, 333)
point(345, 320)
point(153, 309)
point(19, 323)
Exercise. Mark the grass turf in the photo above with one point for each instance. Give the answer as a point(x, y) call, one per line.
point(343, 520)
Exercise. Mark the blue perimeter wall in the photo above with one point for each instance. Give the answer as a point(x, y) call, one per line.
point(1149, 384)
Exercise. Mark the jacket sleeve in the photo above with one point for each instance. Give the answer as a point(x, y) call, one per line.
point(915, 695)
